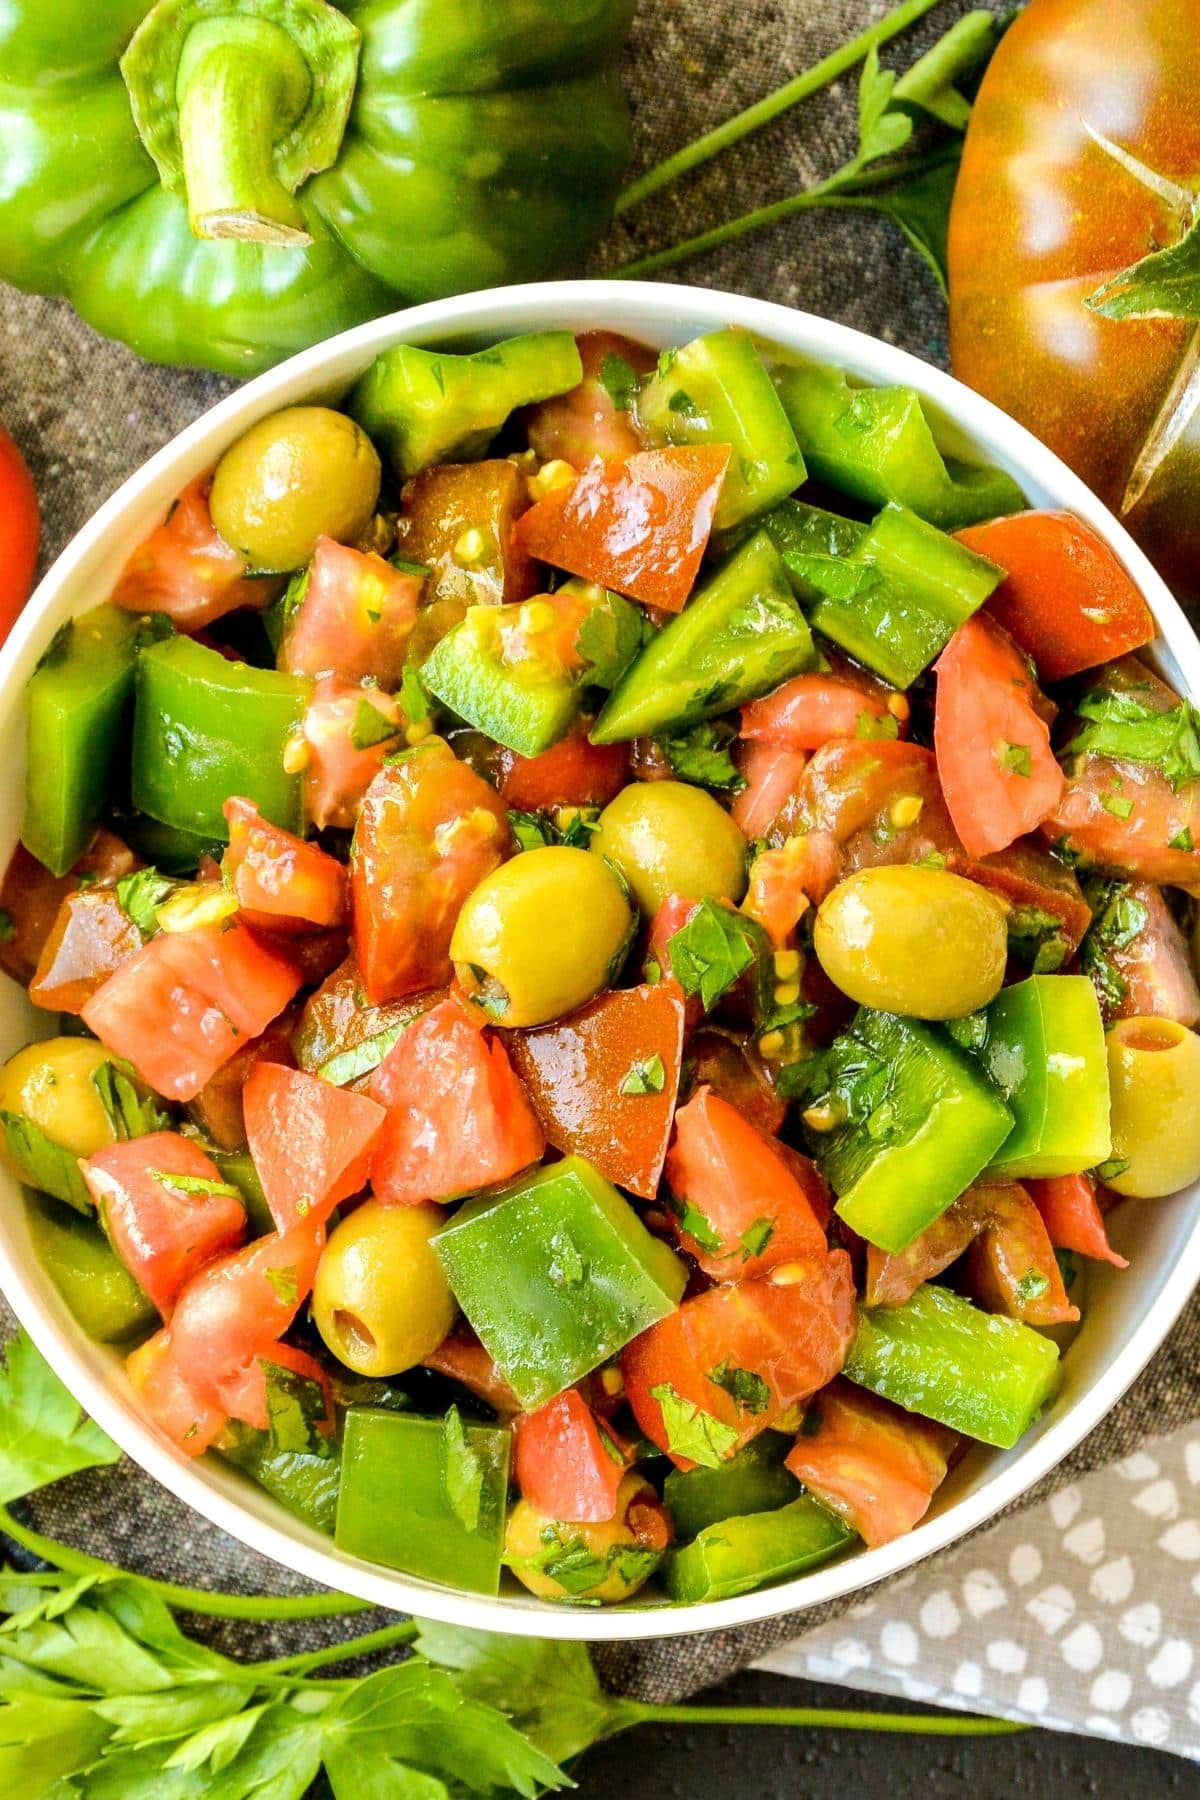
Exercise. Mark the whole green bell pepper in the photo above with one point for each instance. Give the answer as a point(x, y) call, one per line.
point(223, 182)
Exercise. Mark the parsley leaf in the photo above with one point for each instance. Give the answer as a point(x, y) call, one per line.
point(701, 755)
point(413, 695)
point(43, 1433)
point(1032, 1285)
point(370, 727)
point(710, 952)
point(130, 1114)
point(534, 830)
point(464, 1473)
point(748, 1391)
point(1118, 919)
point(361, 1058)
point(619, 379)
point(141, 894)
point(1015, 759)
point(530, 830)
point(284, 1284)
point(198, 1185)
point(1183, 840)
point(43, 1164)
point(691, 1432)
point(1116, 723)
point(756, 1237)
point(608, 639)
point(695, 1224)
point(1036, 938)
point(647, 1076)
point(880, 130)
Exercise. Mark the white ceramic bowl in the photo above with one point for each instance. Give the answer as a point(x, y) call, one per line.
point(1129, 1312)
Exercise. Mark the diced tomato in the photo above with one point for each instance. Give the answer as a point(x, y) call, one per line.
point(873, 1464)
point(731, 1066)
point(777, 890)
point(672, 915)
point(1155, 968)
point(573, 772)
point(218, 1107)
point(1071, 1214)
point(565, 1463)
point(1011, 1267)
point(1146, 841)
point(354, 617)
point(186, 569)
point(774, 1340)
point(311, 1142)
point(1067, 599)
point(481, 503)
point(170, 1400)
point(586, 422)
point(166, 1208)
point(339, 1017)
point(809, 710)
point(92, 936)
point(772, 776)
point(1031, 882)
point(429, 831)
point(32, 898)
point(604, 1081)
point(736, 1206)
point(457, 1116)
point(187, 1001)
point(462, 1358)
point(891, 1279)
point(280, 881)
point(639, 526)
point(336, 774)
point(879, 801)
point(998, 773)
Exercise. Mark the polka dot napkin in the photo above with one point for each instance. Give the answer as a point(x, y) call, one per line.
point(1081, 1614)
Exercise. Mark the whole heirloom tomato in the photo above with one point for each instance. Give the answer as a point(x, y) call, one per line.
point(19, 527)
point(1080, 161)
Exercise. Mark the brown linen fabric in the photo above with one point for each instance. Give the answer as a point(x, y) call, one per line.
point(88, 413)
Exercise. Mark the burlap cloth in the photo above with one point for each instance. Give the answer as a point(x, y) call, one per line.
point(87, 413)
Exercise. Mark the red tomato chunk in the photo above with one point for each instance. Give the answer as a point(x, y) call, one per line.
point(311, 1142)
point(566, 1463)
point(874, 1465)
point(354, 617)
point(280, 881)
point(186, 569)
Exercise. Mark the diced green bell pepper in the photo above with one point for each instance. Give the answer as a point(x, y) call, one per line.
point(95, 1284)
point(753, 1481)
point(519, 704)
point(716, 390)
point(798, 530)
point(877, 444)
point(205, 728)
point(901, 1126)
point(1045, 1052)
point(427, 406)
point(556, 1273)
point(295, 1461)
point(425, 1495)
point(938, 1355)
point(79, 699)
point(894, 602)
point(171, 851)
point(739, 636)
point(738, 1555)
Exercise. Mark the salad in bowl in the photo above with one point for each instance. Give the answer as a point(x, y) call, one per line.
point(611, 927)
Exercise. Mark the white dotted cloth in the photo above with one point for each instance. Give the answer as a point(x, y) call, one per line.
point(1082, 1614)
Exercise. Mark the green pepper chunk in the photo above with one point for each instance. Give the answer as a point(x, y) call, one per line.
point(521, 705)
point(172, 851)
point(738, 1555)
point(716, 390)
point(581, 1275)
point(79, 698)
point(1045, 1052)
point(798, 530)
point(427, 406)
point(95, 1284)
point(902, 1121)
point(739, 636)
point(205, 728)
point(753, 1481)
point(425, 1495)
point(877, 444)
point(939, 1356)
point(293, 1459)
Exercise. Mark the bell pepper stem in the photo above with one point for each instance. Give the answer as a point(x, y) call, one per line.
point(242, 83)
point(809, 82)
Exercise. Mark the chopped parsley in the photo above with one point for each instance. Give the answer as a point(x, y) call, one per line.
point(1116, 723)
point(463, 1472)
point(1032, 1285)
point(702, 756)
point(867, 725)
point(413, 698)
point(647, 1076)
point(363, 1058)
point(370, 727)
point(748, 1391)
point(1037, 939)
point(695, 1224)
point(608, 639)
point(1119, 805)
point(756, 1237)
point(1118, 919)
point(711, 951)
point(690, 1431)
point(141, 894)
point(284, 1284)
point(202, 1188)
point(619, 379)
point(1016, 758)
point(129, 1115)
point(1183, 840)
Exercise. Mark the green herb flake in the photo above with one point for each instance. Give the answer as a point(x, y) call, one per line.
point(141, 894)
point(748, 1391)
point(1119, 725)
point(361, 1059)
point(201, 1187)
point(129, 1113)
point(756, 1237)
point(463, 1472)
point(702, 756)
point(609, 637)
point(284, 1284)
point(43, 1164)
point(647, 1076)
point(711, 951)
point(696, 1225)
point(1109, 1171)
point(1182, 840)
point(1119, 805)
point(571, 1562)
point(619, 379)
point(691, 1432)
point(371, 728)
point(1032, 1285)
point(413, 696)
point(868, 726)
point(1017, 759)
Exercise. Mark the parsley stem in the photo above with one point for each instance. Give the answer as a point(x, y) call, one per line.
point(188, 1599)
point(366, 1645)
point(810, 81)
point(936, 1724)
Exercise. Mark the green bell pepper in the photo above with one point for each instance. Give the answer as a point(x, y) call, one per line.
point(877, 444)
point(237, 1166)
point(897, 597)
point(753, 1481)
point(738, 1555)
point(425, 1495)
point(293, 1459)
point(224, 182)
point(556, 1273)
point(739, 636)
point(426, 406)
point(939, 1356)
point(79, 699)
point(901, 1123)
point(173, 852)
point(95, 1284)
point(522, 705)
point(1045, 1052)
point(798, 530)
point(716, 390)
point(205, 728)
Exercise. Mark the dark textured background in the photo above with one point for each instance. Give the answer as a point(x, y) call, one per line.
point(88, 413)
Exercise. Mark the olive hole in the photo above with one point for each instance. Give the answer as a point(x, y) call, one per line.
point(349, 1326)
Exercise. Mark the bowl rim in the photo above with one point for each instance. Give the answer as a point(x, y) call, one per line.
point(675, 312)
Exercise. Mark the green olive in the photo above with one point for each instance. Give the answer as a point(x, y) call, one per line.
point(669, 838)
point(52, 1084)
point(303, 473)
point(540, 935)
point(1154, 1078)
point(913, 941)
point(619, 1554)
point(380, 1299)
